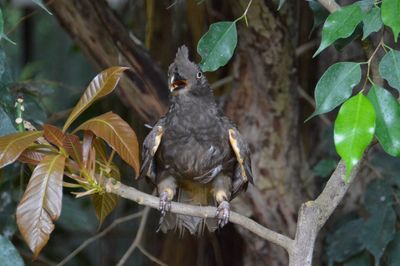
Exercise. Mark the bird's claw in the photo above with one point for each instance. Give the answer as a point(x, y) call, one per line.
point(223, 212)
point(165, 203)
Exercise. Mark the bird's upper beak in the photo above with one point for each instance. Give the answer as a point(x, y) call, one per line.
point(177, 81)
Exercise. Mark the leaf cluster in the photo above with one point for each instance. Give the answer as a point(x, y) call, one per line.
point(83, 158)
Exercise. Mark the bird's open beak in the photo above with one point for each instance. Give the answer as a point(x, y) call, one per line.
point(177, 82)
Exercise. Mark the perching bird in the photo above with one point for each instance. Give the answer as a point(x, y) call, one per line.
point(194, 154)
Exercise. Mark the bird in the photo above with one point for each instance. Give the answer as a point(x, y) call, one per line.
point(194, 154)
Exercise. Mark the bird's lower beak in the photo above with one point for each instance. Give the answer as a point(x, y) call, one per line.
point(177, 82)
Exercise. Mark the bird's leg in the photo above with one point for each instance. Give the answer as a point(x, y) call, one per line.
point(167, 190)
point(222, 193)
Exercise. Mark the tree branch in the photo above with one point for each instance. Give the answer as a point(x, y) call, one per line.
point(116, 187)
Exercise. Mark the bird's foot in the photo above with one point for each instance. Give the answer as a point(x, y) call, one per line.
point(223, 212)
point(165, 203)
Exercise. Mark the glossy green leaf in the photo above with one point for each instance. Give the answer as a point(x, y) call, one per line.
point(345, 241)
point(387, 119)
point(40, 3)
point(320, 13)
point(9, 255)
point(389, 68)
point(354, 129)
point(391, 16)
point(372, 22)
point(335, 86)
point(393, 251)
point(216, 47)
point(281, 3)
point(340, 24)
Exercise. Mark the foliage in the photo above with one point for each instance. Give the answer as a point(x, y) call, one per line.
point(54, 153)
point(355, 124)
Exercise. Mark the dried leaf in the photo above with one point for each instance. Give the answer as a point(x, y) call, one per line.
point(118, 135)
point(53, 135)
point(40, 205)
point(103, 84)
point(11, 146)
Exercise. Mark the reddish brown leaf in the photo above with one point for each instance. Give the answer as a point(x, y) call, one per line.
point(118, 135)
point(103, 84)
point(100, 148)
point(31, 157)
point(53, 135)
point(86, 145)
point(40, 205)
point(11, 146)
point(73, 147)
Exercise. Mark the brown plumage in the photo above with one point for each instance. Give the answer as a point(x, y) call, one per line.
point(194, 153)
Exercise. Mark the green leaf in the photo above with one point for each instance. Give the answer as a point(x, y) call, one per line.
point(354, 129)
point(216, 47)
point(372, 22)
point(9, 255)
point(324, 167)
point(387, 119)
point(281, 3)
point(393, 251)
point(358, 260)
point(389, 68)
point(379, 230)
point(40, 3)
point(345, 241)
point(6, 126)
point(390, 16)
point(340, 24)
point(2, 34)
point(335, 86)
point(320, 13)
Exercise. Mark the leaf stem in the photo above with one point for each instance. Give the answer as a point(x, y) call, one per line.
point(380, 44)
point(244, 13)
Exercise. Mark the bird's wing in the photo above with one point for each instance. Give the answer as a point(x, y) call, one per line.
point(242, 173)
point(150, 146)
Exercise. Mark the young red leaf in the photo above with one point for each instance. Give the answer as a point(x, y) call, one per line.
point(31, 157)
point(118, 134)
point(11, 146)
point(103, 84)
point(53, 135)
point(73, 147)
point(41, 204)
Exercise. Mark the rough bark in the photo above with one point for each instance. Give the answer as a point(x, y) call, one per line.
point(96, 29)
point(264, 104)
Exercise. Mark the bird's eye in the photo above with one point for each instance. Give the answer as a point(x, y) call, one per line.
point(198, 75)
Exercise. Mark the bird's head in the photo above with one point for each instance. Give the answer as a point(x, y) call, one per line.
point(185, 76)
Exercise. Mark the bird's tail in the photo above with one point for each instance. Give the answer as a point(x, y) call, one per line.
point(194, 194)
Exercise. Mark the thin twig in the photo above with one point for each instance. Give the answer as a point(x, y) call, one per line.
point(138, 238)
point(99, 235)
point(330, 5)
point(151, 257)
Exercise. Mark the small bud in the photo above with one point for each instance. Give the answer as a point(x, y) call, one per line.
point(18, 120)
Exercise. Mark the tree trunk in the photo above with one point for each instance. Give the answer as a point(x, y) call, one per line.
point(95, 28)
point(264, 104)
